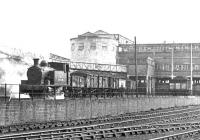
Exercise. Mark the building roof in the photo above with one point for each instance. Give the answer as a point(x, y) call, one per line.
point(100, 32)
point(88, 34)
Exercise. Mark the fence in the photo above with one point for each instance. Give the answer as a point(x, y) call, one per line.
point(9, 91)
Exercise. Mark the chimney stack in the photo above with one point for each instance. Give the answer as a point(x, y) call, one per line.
point(36, 61)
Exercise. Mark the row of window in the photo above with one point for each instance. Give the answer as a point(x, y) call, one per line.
point(167, 81)
point(92, 47)
point(182, 67)
point(178, 86)
point(161, 48)
point(94, 81)
point(168, 48)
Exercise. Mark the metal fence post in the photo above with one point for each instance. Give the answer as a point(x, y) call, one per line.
point(19, 91)
point(5, 91)
point(32, 92)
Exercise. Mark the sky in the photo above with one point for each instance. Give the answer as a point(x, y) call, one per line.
point(46, 26)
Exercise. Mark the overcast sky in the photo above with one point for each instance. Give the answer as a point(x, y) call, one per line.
point(47, 25)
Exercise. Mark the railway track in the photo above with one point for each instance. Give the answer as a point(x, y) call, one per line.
point(128, 125)
point(148, 125)
point(132, 118)
point(70, 134)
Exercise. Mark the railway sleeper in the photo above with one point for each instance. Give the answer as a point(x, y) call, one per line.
point(121, 134)
point(91, 137)
point(4, 130)
point(82, 137)
point(164, 130)
point(21, 128)
point(13, 129)
point(99, 136)
point(110, 135)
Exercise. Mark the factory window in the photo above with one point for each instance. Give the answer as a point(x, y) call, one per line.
point(142, 81)
point(196, 67)
point(167, 67)
point(183, 86)
point(73, 47)
point(171, 85)
point(131, 60)
point(104, 48)
point(93, 46)
point(178, 85)
point(81, 47)
point(120, 49)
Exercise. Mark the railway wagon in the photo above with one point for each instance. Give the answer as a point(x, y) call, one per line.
point(162, 86)
point(98, 82)
point(177, 86)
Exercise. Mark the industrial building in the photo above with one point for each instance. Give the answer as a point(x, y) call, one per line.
point(156, 63)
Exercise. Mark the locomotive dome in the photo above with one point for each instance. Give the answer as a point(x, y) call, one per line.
point(43, 63)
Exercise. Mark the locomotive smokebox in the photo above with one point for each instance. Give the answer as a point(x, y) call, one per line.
point(36, 61)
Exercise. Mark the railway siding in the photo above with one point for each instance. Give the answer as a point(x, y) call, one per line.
point(15, 111)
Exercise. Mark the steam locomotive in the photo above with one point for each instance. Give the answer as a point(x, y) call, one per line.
point(45, 78)
point(54, 77)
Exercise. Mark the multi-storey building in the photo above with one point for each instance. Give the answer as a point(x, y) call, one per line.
point(172, 60)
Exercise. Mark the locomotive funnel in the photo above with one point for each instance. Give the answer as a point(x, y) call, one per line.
point(36, 61)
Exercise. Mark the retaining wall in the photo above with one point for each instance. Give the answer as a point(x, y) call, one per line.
point(15, 111)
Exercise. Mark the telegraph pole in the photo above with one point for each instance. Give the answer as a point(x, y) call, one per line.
point(191, 69)
point(172, 64)
point(136, 76)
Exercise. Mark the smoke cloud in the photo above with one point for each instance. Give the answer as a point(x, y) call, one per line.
point(13, 68)
point(11, 73)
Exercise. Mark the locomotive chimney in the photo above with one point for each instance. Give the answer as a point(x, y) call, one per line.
point(36, 61)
